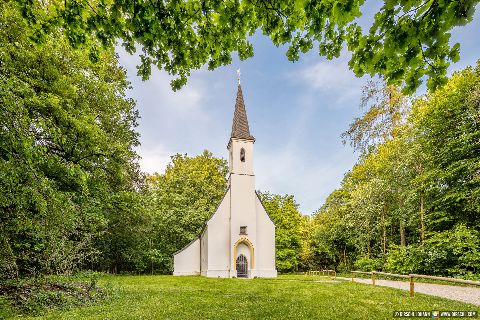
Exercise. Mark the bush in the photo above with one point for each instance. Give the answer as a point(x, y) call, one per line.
point(365, 263)
point(453, 252)
point(404, 260)
point(447, 253)
point(35, 296)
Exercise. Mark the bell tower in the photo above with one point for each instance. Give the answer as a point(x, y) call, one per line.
point(240, 145)
point(243, 211)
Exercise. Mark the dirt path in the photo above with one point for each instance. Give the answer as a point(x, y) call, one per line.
point(464, 294)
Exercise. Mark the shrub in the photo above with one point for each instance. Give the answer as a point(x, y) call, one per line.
point(453, 252)
point(446, 253)
point(35, 296)
point(403, 260)
point(365, 263)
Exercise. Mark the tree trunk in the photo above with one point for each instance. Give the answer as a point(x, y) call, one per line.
point(384, 236)
point(402, 233)
point(391, 234)
point(402, 219)
point(422, 218)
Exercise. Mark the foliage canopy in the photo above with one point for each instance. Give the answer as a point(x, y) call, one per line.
point(283, 210)
point(66, 149)
point(406, 41)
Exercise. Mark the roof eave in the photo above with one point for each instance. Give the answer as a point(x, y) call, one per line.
point(250, 139)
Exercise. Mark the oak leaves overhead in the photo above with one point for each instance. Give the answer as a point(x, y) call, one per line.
point(407, 40)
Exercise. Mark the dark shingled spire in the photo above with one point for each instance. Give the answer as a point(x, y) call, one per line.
point(240, 128)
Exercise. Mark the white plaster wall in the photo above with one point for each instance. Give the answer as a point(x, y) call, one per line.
point(264, 274)
point(204, 252)
point(236, 165)
point(265, 259)
point(243, 210)
point(187, 261)
point(212, 254)
point(219, 240)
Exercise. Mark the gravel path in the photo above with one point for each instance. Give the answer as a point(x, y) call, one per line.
point(464, 294)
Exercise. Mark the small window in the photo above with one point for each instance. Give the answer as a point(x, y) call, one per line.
point(242, 155)
point(243, 230)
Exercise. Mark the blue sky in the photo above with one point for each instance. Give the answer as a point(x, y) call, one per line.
point(296, 111)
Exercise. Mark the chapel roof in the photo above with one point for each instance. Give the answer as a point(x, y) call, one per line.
point(240, 127)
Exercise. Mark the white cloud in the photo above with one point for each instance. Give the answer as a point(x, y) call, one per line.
point(154, 159)
point(186, 103)
point(310, 180)
point(330, 79)
point(156, 94)
point(169, 121)
point(327, 75)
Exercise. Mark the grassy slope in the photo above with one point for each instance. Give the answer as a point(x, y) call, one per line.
point(289, 297)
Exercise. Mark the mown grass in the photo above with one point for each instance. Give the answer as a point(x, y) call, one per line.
point(417, 280)
point(288, 297)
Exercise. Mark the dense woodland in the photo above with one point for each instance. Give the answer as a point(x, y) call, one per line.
point(72, 196)
point(411, 204)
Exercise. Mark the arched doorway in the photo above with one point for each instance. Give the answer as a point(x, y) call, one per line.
point(242, 266)
point(243, 247)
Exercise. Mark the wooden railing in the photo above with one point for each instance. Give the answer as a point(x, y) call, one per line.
point(412, 277)
point(321, 272)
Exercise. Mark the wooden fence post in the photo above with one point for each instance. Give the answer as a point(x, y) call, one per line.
point(412, 286)
point(373, 278)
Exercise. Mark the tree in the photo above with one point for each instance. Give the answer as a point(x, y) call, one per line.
point(283, 210)
point(375, 132)
point(385, 108)
point(335, 241)
point(447, 126)
point(66, 148)
point(407, 40)
point(307, 249)
point(183, 199)
point(126, 245)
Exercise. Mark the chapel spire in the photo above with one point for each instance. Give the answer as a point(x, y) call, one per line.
point(240, 127)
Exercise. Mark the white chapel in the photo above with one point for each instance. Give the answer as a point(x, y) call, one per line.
point(239, 238)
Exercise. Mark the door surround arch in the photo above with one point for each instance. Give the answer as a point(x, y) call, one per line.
point(250, 245)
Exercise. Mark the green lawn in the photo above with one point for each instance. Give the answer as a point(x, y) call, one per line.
point(288, 297)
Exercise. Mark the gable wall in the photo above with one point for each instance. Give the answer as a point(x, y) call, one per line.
point(187, 261)
point(204, 252)
point(265, 260)
point(243, 212)
point(219, 240)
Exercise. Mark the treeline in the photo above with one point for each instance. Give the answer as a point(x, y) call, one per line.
point(72, 196)
point(411, 204)
point(67, 165)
